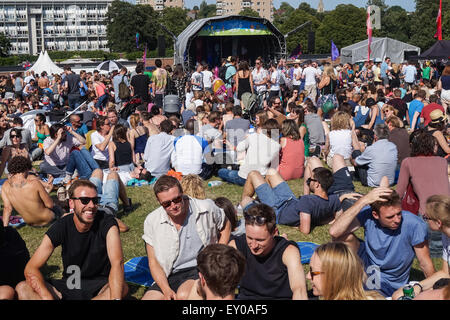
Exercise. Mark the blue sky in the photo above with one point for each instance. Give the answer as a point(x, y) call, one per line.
point(409, 5)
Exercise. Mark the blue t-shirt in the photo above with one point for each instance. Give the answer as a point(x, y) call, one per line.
point(82, 131)
point(321, 210)
point(414, 106)
point(390, 250)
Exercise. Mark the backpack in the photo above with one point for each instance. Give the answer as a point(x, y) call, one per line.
point(223, 73)
point(124, 91)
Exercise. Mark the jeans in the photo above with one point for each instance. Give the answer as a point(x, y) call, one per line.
point(83, 162)
point(108, 192)
point(55, 171)
point(231, 176)
point(102, 101)
point(74, 100)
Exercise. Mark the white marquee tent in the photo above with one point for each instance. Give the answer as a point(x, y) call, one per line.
point(45, 63)
point(381, 48)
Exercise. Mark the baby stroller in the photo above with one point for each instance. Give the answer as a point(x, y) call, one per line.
point(249, 100)
point(130, 107)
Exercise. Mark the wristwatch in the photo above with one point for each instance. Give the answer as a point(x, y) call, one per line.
point(419, 285)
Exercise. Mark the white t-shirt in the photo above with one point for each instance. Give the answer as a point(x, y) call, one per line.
point(297, 73)
point(197, 77)
point(207, 79)
point(310, 74)
point(259, 76)
point(97, 138)
point(275, 79)
point(187, 156)
point(341, 143)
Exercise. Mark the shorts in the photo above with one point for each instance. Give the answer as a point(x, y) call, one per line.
point(276, 198)
point(89, 288)
point(342, 181)
point(177, 279)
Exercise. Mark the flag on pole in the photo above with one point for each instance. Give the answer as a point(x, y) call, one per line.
point(144, 57)
point(334, 51)
point(137, 39)
point(439, 22)
point(369, 33)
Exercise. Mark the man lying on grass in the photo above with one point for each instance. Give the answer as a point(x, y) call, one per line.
point(307, 211)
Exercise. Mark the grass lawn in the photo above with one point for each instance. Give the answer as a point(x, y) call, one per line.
point(144, 202)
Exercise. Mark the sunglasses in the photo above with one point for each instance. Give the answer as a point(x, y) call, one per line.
point(168, 203)
point(14, 136)
point(86, 200)
point(427, 218)
point(314, 273)
point(258, 220)
point(310, 180)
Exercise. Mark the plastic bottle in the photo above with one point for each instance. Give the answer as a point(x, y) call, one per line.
point(214, 183)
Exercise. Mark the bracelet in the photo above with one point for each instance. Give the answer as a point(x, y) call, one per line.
point(419, 285)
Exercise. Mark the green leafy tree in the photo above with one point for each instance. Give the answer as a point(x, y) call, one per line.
point(282, 14)
point(249, 12)
point(423, 23)
point(124, 20)
point(395, 24)
point(345, 25)
point(297, 18)
point(307, 8)
point(175, 20)
point(206, 10)
point(5, 45)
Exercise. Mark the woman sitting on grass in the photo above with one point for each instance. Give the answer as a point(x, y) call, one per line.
point(336, 273)
point(16, 149)
point(121, 155)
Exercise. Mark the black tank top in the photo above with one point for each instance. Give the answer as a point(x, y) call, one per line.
point(440, 152)
point(122, 155)
point(265, 277)
point(330, 88)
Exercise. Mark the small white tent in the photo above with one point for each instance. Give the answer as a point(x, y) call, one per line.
point(45, 63)
point(381, 48)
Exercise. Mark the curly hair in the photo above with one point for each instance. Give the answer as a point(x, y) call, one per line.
point(19, 164)
point(340, 121)
point(422, 143)
point(193, 186)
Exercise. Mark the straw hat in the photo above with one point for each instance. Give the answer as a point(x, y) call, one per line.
point(437, 116)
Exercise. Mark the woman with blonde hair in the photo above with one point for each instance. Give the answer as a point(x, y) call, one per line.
point(327, 87)
point(193, 186)
point(341, 139)
point(336, 273)
point(396, 75)
point(388, 111)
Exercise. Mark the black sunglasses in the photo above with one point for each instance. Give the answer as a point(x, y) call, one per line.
point(310, 180)
point(86, 200)
point(167, 203)
point(258, 220)
point(14, 136)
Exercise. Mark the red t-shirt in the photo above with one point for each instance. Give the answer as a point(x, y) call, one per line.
point(428, 109)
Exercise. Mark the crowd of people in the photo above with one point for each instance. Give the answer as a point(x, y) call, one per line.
point(380, 123)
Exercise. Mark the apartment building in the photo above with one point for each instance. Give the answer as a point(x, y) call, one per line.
point(230, 7)
point(159, 5)
point(34, 25)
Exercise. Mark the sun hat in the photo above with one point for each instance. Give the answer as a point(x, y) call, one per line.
point(437, 116)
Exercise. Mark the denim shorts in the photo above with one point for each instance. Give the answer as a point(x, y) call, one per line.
point(231, 176)
point(277, 198)
point(108, 192)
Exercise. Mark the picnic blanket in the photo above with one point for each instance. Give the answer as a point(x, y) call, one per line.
point(138, 272)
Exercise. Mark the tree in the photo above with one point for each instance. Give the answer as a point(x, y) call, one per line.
point(175, 20)
point(206, 10)
point(249, 12)
point(297, 18)
point(5, 45)
point(282, 14)
point(345, 25)
point(307, 8)
point(124, 20)
point(395, 24)
point(423, 23)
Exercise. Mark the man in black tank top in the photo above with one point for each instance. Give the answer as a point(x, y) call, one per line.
point(273, 267)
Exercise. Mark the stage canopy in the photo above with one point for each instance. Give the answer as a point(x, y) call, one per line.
point(210, 39)
point(439, 50)
point(45, 63)
point(381, 48)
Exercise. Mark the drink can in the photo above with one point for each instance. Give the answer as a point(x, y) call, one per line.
point(408, 291)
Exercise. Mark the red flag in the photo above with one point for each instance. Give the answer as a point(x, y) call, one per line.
point(439, 23)
point(369, 33)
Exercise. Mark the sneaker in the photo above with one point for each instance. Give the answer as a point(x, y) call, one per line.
point(67, 179)
point(128, 208)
